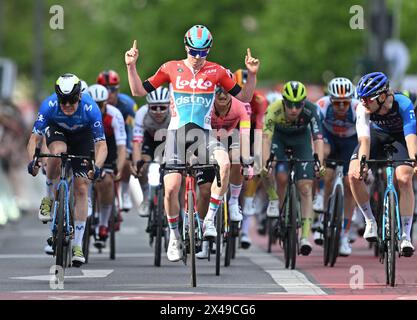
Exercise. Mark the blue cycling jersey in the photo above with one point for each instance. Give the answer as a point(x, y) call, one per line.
point(88, 115)
point(127, 107)
point(400, 118)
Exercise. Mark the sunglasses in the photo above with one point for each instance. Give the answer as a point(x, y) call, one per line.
point(70, 100)
point(220, 90)
point(200, 53)
point(112, 88)
point(157, 108)
point(340, 102)
point(297, 105)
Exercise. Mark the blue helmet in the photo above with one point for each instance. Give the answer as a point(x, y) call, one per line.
point(198, 37)
point(372, 85)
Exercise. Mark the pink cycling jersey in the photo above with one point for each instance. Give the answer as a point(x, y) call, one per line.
point(236, 117)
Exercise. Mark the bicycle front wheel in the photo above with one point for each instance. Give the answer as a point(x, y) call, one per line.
point(60, 233)
point(391, 240)
point(191, 234)
point(159, 222)
point(292, 230)
point(336, 226)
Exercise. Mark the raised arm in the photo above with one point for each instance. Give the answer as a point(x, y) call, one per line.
point(135, 83)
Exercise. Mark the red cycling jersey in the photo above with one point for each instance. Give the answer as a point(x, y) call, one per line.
point(192, 94)
point(258, 104)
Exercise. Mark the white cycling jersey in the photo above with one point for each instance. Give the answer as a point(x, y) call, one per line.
point(144, 122)
point(114, 125)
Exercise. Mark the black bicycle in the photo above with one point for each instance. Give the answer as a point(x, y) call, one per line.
point(157, 226)
point(286, 226)
point(63, 208)
point(333, 216)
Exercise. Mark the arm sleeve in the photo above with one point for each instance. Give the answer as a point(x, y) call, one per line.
point(159, 78)
point(138, 130)
point(96, 123)
point(315, 123)
point(270, 119)
point(408, 115)
point(362, 122)
point(119, 128)
point(43, 117)
point(244, 122)
point(227, 83)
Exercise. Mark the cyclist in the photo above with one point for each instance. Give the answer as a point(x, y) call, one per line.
point(393, 121)
point(71, 123)
point(338, 112)
point(114, 129)
point(127, 106)
point(193, 82)
point(288, 122)
point(258, 106)
point(151, 123)
point(230, 119)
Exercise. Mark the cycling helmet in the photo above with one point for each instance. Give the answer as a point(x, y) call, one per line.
point(108, 78)
point(68, 88)
point(198, 37)
point(98, 92)
point(273, 96)
point(340, 88)
point(241, 76)
point(294, 91)
point(158, 96)
point(84, 86)
point(372, 85)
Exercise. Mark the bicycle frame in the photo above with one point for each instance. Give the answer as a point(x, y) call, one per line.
point(391, 188)
point(338, 181)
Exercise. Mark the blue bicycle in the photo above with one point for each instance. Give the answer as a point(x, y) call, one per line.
point(389, 230)
point(62, 220)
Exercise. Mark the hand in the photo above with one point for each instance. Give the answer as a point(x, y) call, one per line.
point(356, 168)
point(131, 56)
point(251, 63)
point(33, 168)
point(94, 175)
point(322, 171)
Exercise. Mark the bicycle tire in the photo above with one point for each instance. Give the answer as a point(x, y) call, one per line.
point(191, 234)
point(159, 216)
point(336, 226)
point(59, 238)
point(293, 227)
point(271, 233)
point(219, 227)
point(86, 239)
point(391, 241)
point(112, 222)
point(326, 232)
point(284, 231)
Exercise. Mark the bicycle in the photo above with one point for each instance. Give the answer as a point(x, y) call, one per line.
point(62, 220)
point(157, 224)
point(376, 200)
point(286, 226)
point(191, 235)
point(333, 217)
point(389, 231)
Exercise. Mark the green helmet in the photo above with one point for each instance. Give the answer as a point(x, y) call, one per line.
point(294, 91)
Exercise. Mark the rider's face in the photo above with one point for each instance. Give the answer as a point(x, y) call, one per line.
point(113, 92)
point(69, 108)
point(196, 61)
point(292, 111)
point(222, 99)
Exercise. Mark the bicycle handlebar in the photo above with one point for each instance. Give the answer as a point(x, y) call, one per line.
point(364, 162)
point(194, 167)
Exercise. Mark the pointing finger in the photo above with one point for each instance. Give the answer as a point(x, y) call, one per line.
point(249, 54)
point(134, 44)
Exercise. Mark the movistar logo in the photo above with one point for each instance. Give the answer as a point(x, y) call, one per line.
point(193, 84)
point(193, 99)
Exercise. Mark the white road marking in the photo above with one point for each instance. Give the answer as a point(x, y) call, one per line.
point(293, 281)
point(86, 274)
